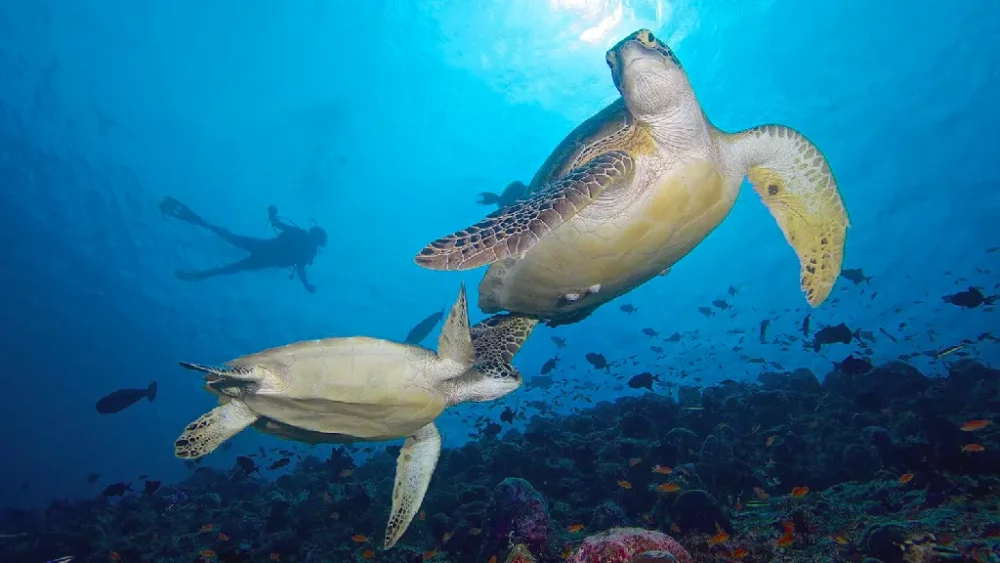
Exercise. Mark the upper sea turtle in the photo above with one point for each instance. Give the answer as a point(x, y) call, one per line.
point(364, 389)
point(633, 189)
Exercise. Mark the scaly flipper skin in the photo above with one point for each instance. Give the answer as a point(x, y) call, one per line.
point(512, 231)
point(793, 179)
point(204, 435)
point(414, 468)
point(497, 340)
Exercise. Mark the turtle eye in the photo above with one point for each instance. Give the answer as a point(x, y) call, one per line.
point(646, 38)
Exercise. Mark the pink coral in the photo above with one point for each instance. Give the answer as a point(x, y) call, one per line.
point(622, 545)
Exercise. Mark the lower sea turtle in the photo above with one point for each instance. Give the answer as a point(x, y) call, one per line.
point(636, 187)
point(364, 389)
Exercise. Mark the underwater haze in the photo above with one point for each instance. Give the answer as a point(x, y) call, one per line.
point(381, 122)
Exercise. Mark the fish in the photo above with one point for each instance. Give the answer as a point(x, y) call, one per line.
point(662, 470)
point(973, 448)
point(938, 354)
point(507, 415)
point(837, 334)
point(720, 537)
point(905, 478)
point(575, 528)
point(509, 196)
point(732, 291)
point(625, 485)
point(116, 489)
point(805, 325)
point(419, 332)
point(92, 478)
point(706, 311)
point(119, 400)
point(346, 473)
point(628, 308)
point(63, 559)
point(721, 304)
point(541, 381)
point(643, 380)
point(359, 538)
point(150, 487)
point(279, 464)
point(799, 492)
point(668, 488)
point(763, 330)
point(853, 366)
point(550, 364)
point(246, 464)
point(969, 299)
point(675, 337)
point(491, 430)
point(559, 341)
point(856, 275)
point(973, 425)
point(368, 554)
point(650, 332)
point(598, 361)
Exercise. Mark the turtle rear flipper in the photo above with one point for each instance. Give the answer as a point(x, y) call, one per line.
point(204, 435)
point(513, 230)
point(794, 180)
point(414, 467)
point(260, 378)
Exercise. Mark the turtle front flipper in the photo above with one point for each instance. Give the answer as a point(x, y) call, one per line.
point(793, 179)
point(414, 467)
point(204, 435)
point(497, 340)
point(513, 230)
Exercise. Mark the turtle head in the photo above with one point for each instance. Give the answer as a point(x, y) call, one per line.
point(647, 74)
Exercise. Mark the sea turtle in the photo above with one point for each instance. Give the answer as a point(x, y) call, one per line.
point(364, 389)
point(636, 187)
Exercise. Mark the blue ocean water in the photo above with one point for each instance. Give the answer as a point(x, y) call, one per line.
point(381, 121)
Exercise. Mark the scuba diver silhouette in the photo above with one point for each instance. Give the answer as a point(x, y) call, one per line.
point(293, 247)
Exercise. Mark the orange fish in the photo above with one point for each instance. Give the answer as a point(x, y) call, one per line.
point(785, 540)
point(430, 554)
point(770, 440)
point(789, 527)
point(799, 492)
point(368, 554)
point(207, 554)
point(663, 470)
point(446, 537)
point(668, 487)
point(739, 553)
point(720, 537)
point(574, 528)
point(275, 556)
point(905, 478)
point(359, 538)
point(761, 493)
point(207, 528)
point(625, 484)
point(346, 473)
point(222, 537)
point(493, 559)
point(973, 448)
point(974, 425)
point(475, 531)
point(634, 461)
point(839, 539)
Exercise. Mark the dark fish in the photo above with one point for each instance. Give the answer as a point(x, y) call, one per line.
point(507, 415)
point(706, 311)
point(643, 380)
point(970, 298)
point(938, 354)
point(560, 342)
point(763, 330)
point(833, 335)
point(805, 325)
point(650, 332)
point(628, 308)
point(279, 464)
point(116, 489)
point(513, 192)
point(150, 487)
point(423, 328)
point(656, 349)
point(92, 478)
point(856, 275)
point(598, 361)
point(142, 477)
point(675, 337)
point(119, 400)
point(889, 336)
point(550, 365)
point(721, 304)
point(853, 366)
point(246, 464)
point(492, 430)
point(732, 291)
